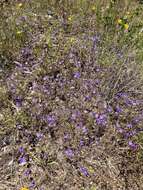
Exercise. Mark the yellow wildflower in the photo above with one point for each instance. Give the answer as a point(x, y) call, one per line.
point(93, 8)
point(24, 188)
point(128, 13)
point(70, 18)
point(125, 17)
point(93, 188)
point(72, 39)
point(126, 26)
point(19, 32)
point(119, 21)
point(91, 170)
point(20, 5)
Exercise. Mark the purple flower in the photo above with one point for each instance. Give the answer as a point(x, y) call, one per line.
point(132, 145)
point(18, 102)
point(23, 18)
point(109, 109)
point(130, 102)
point(77, 75)
point(26, 52)
point(81, 143)
point(97, 141)
point(66, 136)
point(32, 184)
point(97, 81)
point(27, 172)
point(129, 126)
point(118, 109)
point(39, 135)
point(87, 98)
point(97, 69)
point(69, 152)
point(121, 94)
point(135, 120)
point(84, 130)
point(101, 120)
point(120, 130)
point(95, 38)
point(78, 64)
point(130, 134)
point(21, 149)
point(51, 120)
point(84, 171)
point(22, 160)
point(119, 55)
point(95, 115)
point(19, 126)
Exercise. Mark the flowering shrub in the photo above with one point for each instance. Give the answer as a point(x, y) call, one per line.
point(71, 96)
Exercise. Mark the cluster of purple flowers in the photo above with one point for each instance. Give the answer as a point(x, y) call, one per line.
point(69, 152)
point(22, 160)
point(101, 119)
point(84, 171)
